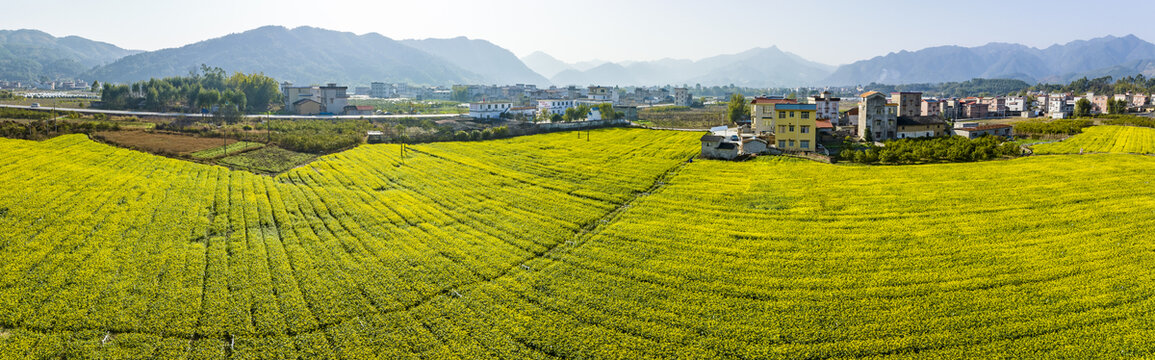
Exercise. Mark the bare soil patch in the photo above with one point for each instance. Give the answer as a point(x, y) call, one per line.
point(161, 143)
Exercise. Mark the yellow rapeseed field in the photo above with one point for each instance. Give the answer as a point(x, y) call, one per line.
point(1104, 139)
point(554, 246)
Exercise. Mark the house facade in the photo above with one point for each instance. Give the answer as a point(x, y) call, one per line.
point(909, 103)
point(877, 119)
point(826, 106)
point(554, 107)
point(763, 113)
point(488, 110)
point(795, 126)
point(307, 106)
point(682, 97)
point(972, 131)
point(332, 98)
point(920, 126)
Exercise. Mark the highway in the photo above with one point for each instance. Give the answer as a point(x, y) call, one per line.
point(258, 116)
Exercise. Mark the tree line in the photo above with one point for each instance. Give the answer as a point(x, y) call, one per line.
point(210, 89)
point(929, 150)
point(1105, 85)
point(973, 87)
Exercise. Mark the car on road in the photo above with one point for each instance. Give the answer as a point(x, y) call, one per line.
point(35, 105)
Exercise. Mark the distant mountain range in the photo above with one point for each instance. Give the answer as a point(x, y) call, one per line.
point(759, 67)
point(1057, 63)
point(31, 55)
point(494, 63)
point(307, 55)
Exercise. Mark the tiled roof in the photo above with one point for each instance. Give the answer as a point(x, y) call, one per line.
point(869, 93)
point(987, 127)
point(796, 107)
point(823, 124)
point(920, 120)
point(760, 101)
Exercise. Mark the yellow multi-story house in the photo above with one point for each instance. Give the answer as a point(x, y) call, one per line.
point(792, 125)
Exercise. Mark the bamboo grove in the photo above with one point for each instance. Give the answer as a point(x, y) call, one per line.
point(608, 245)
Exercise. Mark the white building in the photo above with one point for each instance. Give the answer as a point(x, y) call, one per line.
point(827, 107)
point(382, 90)
point(332, 98)
point(488, 110)
point(682, 97)
point(554, 107)
point(1060, 107)
point(1016, 104)
point(603, 93)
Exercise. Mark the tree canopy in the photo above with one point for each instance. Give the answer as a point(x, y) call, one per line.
point(208, 89)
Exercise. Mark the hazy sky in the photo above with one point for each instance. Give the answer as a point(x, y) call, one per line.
point(830, 31)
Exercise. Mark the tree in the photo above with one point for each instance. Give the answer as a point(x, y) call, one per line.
point(207, 98)
point(607, 111)
point(1116, 106)
point(95, 85)
point(736, 109)
point(543, 115)
point(1083, 107)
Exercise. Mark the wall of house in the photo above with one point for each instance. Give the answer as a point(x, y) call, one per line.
point(876, 118)
point(796, 130)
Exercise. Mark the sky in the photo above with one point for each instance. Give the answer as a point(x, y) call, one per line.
point(833, 32)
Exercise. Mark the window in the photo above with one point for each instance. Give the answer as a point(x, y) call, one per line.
point(791, 114)
point(791, 143)
point(805, 115)
point(781, 143)
point(791, 128)
point(781, 114)
point(805, 144)
point(804, 129)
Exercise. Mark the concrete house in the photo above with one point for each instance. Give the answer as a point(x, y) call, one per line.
point(974, 130)
point(307, 106)
point(763, 113)
point(332, 98)
point(920, 126)
point(826, 107)
point(716, 147)
point(488, 110)
point(682, 97)
point(909, 103)
point(877, 119)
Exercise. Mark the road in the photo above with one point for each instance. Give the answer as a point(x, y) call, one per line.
point(278, 117)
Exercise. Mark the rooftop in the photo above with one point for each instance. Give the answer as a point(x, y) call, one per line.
point(870, 93)
point(987, 127)
point(823, 124)
point(801, 107)
point(920, 120)
point(764, 100)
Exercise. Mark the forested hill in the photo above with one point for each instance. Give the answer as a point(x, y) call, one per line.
point(303, 55)
point(32, 55)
